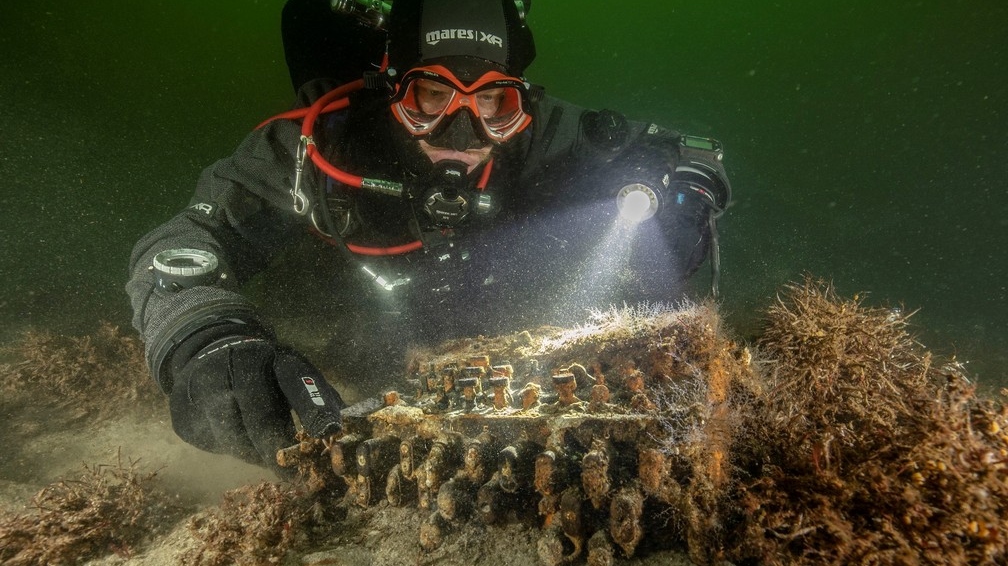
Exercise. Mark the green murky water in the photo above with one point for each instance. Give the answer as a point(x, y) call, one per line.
point(866, 142)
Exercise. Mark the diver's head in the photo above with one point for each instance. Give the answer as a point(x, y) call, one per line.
point(458, 67)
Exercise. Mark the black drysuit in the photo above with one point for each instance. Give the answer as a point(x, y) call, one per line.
point(548, 250)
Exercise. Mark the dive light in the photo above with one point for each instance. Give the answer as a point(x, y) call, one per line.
point(637, 201)
point(697, 173)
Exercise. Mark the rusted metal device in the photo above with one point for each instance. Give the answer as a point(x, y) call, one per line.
point(587, 457)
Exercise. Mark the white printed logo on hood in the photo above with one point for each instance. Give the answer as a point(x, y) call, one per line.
point(435, 37)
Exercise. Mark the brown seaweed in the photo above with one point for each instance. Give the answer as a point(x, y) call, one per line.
point(259, 524)
point(97, 376)
point(861, 450)
point(106, 509)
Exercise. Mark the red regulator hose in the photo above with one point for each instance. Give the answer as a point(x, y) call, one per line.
point(338, 97)
point(331, 101)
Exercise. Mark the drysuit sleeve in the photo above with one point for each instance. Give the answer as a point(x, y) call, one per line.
point(242, 213)
point(230, 385)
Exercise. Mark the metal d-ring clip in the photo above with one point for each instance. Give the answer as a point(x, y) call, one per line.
point(300, 199)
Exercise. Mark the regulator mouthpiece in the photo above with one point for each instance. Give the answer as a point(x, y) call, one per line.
point(450, 199)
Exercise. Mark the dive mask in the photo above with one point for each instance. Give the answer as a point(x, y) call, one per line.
point(428, 96)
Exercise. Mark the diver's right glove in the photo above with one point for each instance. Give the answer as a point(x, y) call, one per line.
point(233, 395)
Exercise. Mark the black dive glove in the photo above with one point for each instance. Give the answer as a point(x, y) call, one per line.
point(234, 395)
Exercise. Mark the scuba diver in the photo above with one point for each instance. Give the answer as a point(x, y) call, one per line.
point(442, 194)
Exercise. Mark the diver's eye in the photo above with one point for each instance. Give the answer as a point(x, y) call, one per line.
point(432, 97)
point(489, 101)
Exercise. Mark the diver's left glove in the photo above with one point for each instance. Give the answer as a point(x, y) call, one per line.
point(231, 390)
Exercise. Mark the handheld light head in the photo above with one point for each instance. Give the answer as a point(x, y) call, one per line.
point(637, 202)
point(646, 189)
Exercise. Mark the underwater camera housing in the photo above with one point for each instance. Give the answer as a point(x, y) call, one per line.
point(699, 172)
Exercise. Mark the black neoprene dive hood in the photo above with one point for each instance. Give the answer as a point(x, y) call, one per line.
point(477, 36)
point(470, 38)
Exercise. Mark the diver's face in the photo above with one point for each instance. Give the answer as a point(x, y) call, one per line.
point(458, 121)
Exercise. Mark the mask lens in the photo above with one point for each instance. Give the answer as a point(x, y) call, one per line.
point(431, 98)
point(504, 115)
point(423, 104)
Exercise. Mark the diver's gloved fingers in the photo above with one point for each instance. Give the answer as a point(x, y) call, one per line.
point(264, 413)
point(316, 402)
point(204, 412)
point(235, 395)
